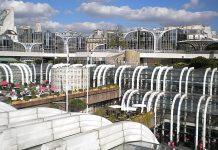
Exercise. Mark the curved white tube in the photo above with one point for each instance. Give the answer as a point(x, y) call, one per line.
point(180, 79)
point(144, 98)
point(129, 98)
point(139, 73)
point(205, 121)
point(30, 72)
point(152, 76)
point(155, 110)
point(178, 115)
point(150, 100)
point(105, 72)
point(21, 70)
point(99, 74)
point(6, 72)
point(120, 78)
point(171, 115)
point(117, 73)
point(197, 120)
point(11, 73)
point(159, 77)
point(25, 71)
point(165, 78)
point(205, 80)
point(47, 71)
point(124, 97)
point(133, 76)
point(186, 81)
point(34, 72)
point(95, 75)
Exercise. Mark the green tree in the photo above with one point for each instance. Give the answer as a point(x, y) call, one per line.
point(199, 62)
point(77, 105)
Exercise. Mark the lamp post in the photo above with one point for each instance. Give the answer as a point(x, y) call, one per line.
point(87, 84)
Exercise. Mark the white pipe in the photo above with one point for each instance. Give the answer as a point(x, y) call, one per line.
point(49, 78)
point(129, 98)
point(150, 100)
point(178, 114)
point(95, 74)
point(197, 120)
point(159, 78)
point(139, 73)
point(180, 79)
point(47, 68)
point(205, 121)
point(34, 71)
point(120, 79)
point(99, 75)
point(144, 98)
point(165, 78)
point(123, 99)
point(105, 72)
point(26, 72)
point(186, 81)
point(211, 81)
point(155, 110)
point(30, 72)
point(171, 115)
point(152, 76)
point(117, 73)
point(11, 73)
point(205, 80)
point(133, 76)
point(22, 74)
point(6, 72)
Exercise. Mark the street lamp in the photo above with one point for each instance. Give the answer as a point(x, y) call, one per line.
point(87, 84)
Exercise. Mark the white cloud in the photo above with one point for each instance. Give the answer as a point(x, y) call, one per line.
point(68, 12)
point(79, 27)
point(160, 15)
point(29, 13)
point(191, 4)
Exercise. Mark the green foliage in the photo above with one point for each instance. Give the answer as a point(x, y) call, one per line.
point(199, 62)
point(38, 61)
point(180, 65)
point(144, 118)
point(112, 117)
point(100, 112)
point(77, 105)
point(33, 93)
point(53, 105)
point(57, 93)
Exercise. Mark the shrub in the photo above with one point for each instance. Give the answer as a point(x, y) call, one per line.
point(100, 112)
point(199, 62)
point(180, 65)
point(77, 105)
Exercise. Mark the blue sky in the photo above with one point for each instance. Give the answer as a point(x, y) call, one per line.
point(86, 15)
